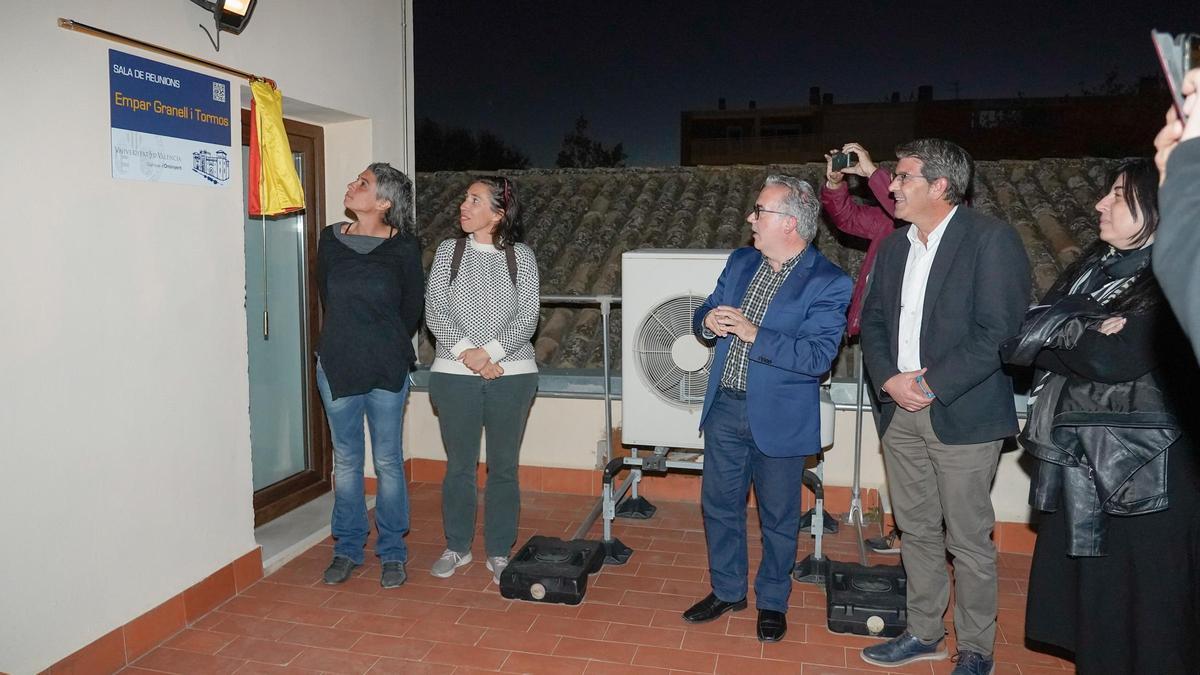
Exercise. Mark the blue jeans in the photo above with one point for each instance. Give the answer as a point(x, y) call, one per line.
point(732, 461)
point(384, 411)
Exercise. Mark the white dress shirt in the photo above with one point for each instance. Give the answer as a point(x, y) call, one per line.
point(912, 293)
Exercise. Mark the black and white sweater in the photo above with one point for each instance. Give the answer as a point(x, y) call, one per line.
point(482, 308)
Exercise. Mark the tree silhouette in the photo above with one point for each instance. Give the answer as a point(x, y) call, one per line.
point(1111, 85)
point(580, 151)
point(457, 149)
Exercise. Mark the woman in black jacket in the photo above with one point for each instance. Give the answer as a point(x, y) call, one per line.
point(1114, 574)
point(372, 290)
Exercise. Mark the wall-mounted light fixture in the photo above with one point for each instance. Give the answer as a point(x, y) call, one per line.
point(230, 16)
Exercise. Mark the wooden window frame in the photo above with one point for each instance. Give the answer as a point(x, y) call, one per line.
point(277, 499)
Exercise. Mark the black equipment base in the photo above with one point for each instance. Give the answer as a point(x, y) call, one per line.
point(548, 569)
point(829, 522)
point(868, 600)
point(615, 553)
point(811, 570)
point(636, 508)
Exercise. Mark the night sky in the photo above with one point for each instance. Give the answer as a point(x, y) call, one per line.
point(525, 70)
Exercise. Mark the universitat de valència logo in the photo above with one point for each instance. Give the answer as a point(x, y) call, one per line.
point(214, 166)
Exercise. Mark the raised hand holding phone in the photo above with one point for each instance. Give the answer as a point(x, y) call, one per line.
point(1176, 131)
point(1177, 54)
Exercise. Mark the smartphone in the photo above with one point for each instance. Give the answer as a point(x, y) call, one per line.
point(1177, 54)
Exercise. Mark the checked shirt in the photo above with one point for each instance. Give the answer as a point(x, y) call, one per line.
point(759, 293)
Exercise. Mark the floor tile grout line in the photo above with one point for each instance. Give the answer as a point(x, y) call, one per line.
point(1012, 574)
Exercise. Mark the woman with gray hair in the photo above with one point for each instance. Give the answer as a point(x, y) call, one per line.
point(372, 290)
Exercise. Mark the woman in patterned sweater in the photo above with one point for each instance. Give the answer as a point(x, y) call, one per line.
point(481, 304)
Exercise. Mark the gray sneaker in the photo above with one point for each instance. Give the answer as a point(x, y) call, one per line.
point(393, 574)
point(339, 570)
point(444, 566)
point(496, 565)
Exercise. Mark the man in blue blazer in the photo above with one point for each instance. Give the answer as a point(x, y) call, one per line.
point(777, 315)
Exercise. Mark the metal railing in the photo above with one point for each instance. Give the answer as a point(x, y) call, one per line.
point(606, 302)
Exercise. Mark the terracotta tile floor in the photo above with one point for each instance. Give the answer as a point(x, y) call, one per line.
point(628, 623)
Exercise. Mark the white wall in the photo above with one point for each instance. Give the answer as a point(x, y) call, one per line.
point(347, 153)
point(124, 431)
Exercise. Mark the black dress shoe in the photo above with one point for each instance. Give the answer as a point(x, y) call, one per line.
point(772, 625)
point(710, 608)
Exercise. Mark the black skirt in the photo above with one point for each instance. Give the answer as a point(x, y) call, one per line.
point(1137, 609)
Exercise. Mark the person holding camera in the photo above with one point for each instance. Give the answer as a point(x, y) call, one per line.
point(867, 222)
point(873, 223)
point(1178, 160)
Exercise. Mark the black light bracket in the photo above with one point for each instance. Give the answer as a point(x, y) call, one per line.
point(225, 20)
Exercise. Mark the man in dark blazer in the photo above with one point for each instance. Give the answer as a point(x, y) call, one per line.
point(777, 315)
point(948, 289)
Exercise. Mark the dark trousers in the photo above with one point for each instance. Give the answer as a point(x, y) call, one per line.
point(467, 405)
point(732, 461)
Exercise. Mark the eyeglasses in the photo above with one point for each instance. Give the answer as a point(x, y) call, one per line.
point(905, 177)
point(758, 210)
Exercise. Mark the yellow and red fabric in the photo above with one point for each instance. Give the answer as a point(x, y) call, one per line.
point(274, 184)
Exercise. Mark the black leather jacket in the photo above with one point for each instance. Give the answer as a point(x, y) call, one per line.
point(1103, 447)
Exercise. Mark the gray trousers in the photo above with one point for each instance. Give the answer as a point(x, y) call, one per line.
point(932, 483)
point(467, 405)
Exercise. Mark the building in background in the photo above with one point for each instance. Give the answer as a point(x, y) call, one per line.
point(1000, 128)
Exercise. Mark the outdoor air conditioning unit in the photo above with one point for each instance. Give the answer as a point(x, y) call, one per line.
point(664, 371)
point(664, 366)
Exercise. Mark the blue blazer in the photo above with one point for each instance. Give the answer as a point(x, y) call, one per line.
point(794, 348)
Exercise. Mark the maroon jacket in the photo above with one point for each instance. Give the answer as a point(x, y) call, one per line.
point(868, 222)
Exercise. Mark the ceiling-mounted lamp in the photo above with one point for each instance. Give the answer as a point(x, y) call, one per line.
point(230, 16)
